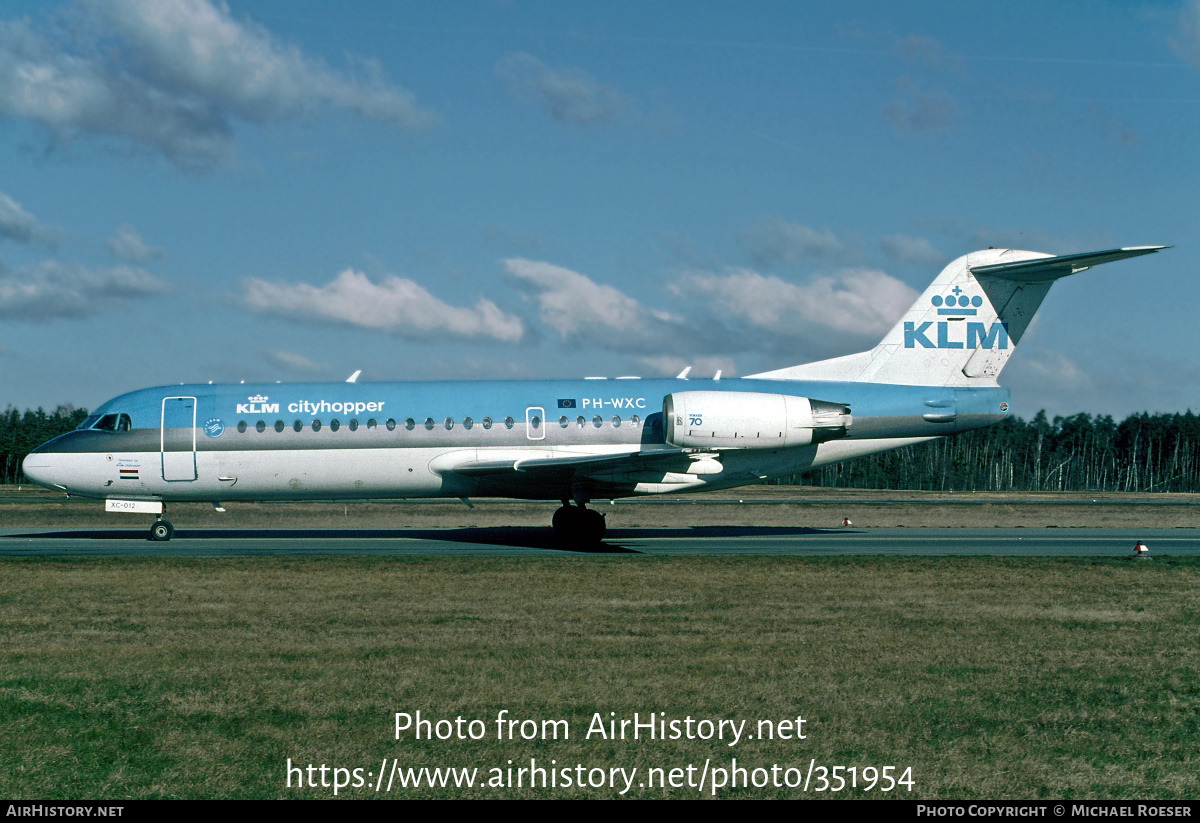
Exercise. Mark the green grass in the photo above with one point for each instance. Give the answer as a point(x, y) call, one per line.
point(991, 678)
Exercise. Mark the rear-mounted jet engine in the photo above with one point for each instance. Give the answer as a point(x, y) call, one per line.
point(748, 420)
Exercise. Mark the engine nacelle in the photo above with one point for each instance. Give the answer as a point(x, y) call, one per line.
point(748, 420)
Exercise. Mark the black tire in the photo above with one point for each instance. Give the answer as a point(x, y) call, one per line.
point(161, 531)
point(592, 527)
point(579, 526)
point(566, 523)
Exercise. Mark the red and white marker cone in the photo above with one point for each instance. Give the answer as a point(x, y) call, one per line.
point(846, 521)
point(1140, 549)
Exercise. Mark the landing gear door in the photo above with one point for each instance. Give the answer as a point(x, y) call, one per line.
point(177, 438)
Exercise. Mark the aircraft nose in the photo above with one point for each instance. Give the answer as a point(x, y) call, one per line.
point(38, 469)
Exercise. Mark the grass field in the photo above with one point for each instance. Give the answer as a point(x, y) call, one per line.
point(990, 678)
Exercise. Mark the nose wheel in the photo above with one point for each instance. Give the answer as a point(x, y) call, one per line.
point(161, 530)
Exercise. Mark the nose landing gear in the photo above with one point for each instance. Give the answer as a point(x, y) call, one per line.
point(162, 530)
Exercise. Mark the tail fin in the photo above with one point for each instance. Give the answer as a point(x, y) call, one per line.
point(961, 331)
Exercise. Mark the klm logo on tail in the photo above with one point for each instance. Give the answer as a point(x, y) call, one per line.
point(948, 335)
point(978, 336)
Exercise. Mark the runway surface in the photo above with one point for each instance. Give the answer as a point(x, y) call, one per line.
point(539, 542)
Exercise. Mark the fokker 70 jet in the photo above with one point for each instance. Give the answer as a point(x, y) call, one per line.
point(572, 441)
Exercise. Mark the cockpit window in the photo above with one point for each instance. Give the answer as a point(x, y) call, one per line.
point(113, 423)
point(88, 423)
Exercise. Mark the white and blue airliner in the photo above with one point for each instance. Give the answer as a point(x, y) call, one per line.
point(573, 441)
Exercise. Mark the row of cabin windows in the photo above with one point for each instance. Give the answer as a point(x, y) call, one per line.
point(429, 424)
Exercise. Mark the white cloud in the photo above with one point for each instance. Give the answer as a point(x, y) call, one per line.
point(860, 301)
point(580, 310)
point(569, 95)
point(570, 302)
point(777, 241)
point(172, 75)
point(1044, 378)
point(903, 250)
point(50, 290)
point(397, 305)
point(195, 47)
point(292, 362)
point(127, 244)
point(20, 226)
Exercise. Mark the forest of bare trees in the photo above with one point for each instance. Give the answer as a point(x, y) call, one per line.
point(1142, 453)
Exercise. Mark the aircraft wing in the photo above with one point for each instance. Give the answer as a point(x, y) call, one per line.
point(553, 468)
point(1051, 268)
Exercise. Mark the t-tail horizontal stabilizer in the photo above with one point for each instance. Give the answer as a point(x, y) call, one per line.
point(961, 331)
point(1052, 268)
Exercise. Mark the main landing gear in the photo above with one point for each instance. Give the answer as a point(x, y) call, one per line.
point(575, 524)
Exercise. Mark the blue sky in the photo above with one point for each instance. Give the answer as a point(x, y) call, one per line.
point(195, 191)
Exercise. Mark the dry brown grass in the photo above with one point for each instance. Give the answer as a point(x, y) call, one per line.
point(989, 677)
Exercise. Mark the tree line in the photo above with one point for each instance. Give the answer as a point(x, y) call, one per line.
point(21, 433)
point(1143, 453)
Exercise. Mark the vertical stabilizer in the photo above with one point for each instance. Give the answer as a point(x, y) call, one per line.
point(963, 329)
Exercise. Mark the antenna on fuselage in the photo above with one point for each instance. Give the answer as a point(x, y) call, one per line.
point(683, 374)
point(354, 377)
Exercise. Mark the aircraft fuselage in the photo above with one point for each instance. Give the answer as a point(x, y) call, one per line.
point(319, 441)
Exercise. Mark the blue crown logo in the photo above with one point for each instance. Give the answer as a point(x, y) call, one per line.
point(957, 304)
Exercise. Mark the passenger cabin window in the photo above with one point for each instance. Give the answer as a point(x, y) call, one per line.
point(279, 425)
point(410, 424)
point(508, 422)
point(487, 422)
point(468, 423)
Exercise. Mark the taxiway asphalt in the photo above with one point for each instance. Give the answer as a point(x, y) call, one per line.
point(522, 541)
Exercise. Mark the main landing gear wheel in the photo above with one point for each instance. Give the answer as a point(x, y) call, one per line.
point(575, 524)
point(161, 530)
